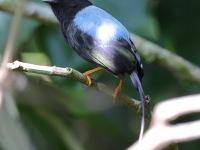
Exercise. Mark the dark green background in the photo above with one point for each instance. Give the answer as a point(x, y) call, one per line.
point(60, 113)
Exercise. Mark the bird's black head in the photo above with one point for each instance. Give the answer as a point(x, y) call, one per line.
point(69, 3)
point(54, 1)
point(66, 9)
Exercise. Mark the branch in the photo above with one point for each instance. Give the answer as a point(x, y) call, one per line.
point(177, 65)
point(71, 73)
point(153, 139)
point(31, 10)
point(9, 49)
point(150, 52)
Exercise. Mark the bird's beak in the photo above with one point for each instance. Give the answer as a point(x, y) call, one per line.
point(48, 1)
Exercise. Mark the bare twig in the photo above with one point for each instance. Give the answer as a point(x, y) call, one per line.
point(162, 133)
point(31, 10)
point(150, 52)
point(71, 73)
point(10, 46)
point(178, 66)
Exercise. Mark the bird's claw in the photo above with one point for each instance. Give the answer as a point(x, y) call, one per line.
point(88, 78)
point(118, 89)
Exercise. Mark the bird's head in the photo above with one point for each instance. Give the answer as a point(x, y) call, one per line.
point(62, 1)
point(65, 2)
point(52, 1)
point(64, 9)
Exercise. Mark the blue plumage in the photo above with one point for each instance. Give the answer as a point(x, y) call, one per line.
point(92, 20)
point(101, 39)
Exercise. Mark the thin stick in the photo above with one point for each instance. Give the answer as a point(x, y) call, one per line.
point(10, 46)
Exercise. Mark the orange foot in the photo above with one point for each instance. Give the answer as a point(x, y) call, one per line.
point(118, 89)
point(88, 73)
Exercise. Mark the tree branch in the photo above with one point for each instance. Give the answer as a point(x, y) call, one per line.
point(31, 10)
point(71, 73)
point(153, 139)
point(10, 46)
point(178, 66)
point(150, 52)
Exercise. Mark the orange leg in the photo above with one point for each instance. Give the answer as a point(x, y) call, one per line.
point(87, 74)
point(118, 89)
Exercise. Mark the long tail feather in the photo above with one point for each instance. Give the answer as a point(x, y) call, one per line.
point(137, 83)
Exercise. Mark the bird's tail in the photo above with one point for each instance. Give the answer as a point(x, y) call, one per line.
point(137, 83)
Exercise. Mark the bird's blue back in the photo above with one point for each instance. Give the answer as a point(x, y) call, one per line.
point(91, 18)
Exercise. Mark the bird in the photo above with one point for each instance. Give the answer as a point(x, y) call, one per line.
point(101, 39)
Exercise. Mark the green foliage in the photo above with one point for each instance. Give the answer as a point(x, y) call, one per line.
point(59, 113)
